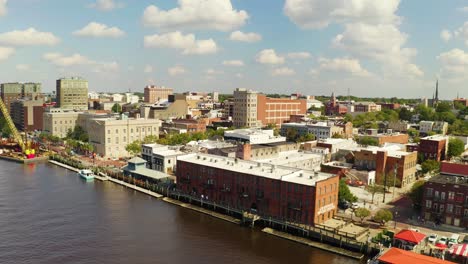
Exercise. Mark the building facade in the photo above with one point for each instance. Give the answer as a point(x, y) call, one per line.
point(27, 114)
point(245, 108)
point(433, 147)
point(160, 157)
point(57, 122)
point(72, 93)
point(253, 136)
point(289, 194)
point(109, 136)
point(154, 93)
point(14, 91)
point(278, 110)
point(321, 130)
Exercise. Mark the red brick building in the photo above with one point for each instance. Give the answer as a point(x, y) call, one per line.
point(182, 125)
point(463, 101)
point(455, 169)
point(446, 200)
point(278, 110)
point(433, 147)
point(27, 115)
point(154, 94)
point(284, 193)
point(391, 106)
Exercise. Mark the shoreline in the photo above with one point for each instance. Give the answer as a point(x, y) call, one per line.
point(267, 230)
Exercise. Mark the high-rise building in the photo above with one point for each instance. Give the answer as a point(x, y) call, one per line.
point(245, 108)
point(72, 93)
point(13, 91)
point(154, 94)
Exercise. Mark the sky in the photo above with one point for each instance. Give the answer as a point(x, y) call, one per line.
point(385, 48)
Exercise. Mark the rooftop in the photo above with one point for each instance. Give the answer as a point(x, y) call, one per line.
point(435, 138)
point(286, 157)
point(396, 255)
point(288, 174)
point(449, 179)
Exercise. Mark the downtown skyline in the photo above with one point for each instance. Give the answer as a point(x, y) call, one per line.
point(398, 48)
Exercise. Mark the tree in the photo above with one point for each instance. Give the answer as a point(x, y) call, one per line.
point(392, 180)
point(405, 114)
point(306, 137)
point(368, 141)
point(362, 213)
point(373, 189)
point(117, 108)
point(383, 216)
point(134, 148)
point(4, 129)
point(344, 193)
point(78, 133)
point(337, 135)
point(443, 107)
point(416, 193)
point(291, 134)
point(455, 147)
point(430, 166)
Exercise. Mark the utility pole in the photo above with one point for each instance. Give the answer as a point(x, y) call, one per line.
point(394, 179)
point(385, 186)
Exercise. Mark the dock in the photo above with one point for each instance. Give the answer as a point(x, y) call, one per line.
point(308, 242)
point(203, 211)
point(24, 161)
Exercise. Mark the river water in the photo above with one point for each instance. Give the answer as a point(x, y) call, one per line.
point(49, 215)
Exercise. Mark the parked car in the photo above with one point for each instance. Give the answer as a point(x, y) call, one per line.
point(354, 206)
point(442, 240)
point(453, 240)
point(432, 238)
point(343, 204)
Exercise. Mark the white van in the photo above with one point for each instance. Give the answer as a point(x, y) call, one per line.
point(453, 240)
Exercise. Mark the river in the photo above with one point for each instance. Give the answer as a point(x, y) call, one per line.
point(49, 215)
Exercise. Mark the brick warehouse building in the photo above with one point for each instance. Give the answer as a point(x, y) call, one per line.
point(446, 195)
point(433, 147)
point(285, 193)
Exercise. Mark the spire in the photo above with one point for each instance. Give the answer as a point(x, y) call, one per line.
point(437, 90)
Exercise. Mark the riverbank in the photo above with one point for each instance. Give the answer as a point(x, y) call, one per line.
point(225, 217)
point(25, 161)
point(308, 242)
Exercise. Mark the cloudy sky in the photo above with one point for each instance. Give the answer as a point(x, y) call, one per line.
point(374, 48)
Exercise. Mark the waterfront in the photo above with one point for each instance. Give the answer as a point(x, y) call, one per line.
point(49, 215)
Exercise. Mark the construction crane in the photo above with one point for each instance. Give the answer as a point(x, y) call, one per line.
point(16, 135)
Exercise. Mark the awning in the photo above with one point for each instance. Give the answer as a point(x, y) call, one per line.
point(442, 246)
point(459, 250)
point(410, 236)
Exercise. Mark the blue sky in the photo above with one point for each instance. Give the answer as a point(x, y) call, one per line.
point(374, 48)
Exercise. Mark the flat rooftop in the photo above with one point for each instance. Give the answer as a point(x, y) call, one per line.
point(259, 169)
point(435, 138)
point(286, 157)
point(449, 179)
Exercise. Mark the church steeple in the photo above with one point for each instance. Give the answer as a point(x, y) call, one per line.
point(437, 91)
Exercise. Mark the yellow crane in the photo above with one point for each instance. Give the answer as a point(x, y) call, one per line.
point(14, 131)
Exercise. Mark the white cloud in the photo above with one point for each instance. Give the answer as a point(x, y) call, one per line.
point(345, 65)
point(454, 65)
point(23, 67)
point(319, 14)
point(383, 43)
point(3, 7)
point(236, 63)
point(284, 71)
point(269, 56)
point(245, 37)
point(97, 30)
point(299, 55)
point(148, 69)
point(6, 52)
point(176, 40)
point(212, 71)
point(462, 32)
point(196, 14)
point(176, 70)
point(79, 60)
point(445, 35)
point(463, 9)
point(106, 5)
point(28, 37)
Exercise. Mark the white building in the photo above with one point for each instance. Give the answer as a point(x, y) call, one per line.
point(321, 130)
point(130, 98)
point(425, 126)
point(93, 95)
point(296, 159)
point(117, 97)
point(254, 136)
point(160, 157)
point(245, 108)
point(58, 122)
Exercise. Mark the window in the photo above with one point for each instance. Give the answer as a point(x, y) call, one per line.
point(451, 196)
point(429, 192)
point(116, 140)
point(428, 203)
point(436, 194)
point(442, 195)
point(108, 140)
point(449, 208)
point(108, 131)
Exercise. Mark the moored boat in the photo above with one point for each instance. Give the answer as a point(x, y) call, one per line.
point(86, 174)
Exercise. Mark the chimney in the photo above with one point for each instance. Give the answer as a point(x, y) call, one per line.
point(244, 151)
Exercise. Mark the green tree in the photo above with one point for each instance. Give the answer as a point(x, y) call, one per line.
point(344, 193)
point(383, 216)
point(405, 114)
point(4, 129)
point(430, 166)
point(413, 132)
point(78, 133)
point(373, 189)
point(117, 108)
point(368, 141)
point(291, 134)
point(306, 137)
point(392, 180)
point(362, 213)
point(443, 107)
point(455, 147)
point(134, 148)
point(337, 135)
point(416, 193)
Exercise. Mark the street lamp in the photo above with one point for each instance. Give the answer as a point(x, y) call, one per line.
point(396, 214)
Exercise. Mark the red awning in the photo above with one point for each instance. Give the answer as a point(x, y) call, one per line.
point(439, 245)
point(399, 256)
point(410, 236)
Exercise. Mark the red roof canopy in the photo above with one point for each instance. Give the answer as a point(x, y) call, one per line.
point(410, 236)
point(399, 256)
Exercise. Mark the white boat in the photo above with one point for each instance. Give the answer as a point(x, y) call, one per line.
point(86, 174)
